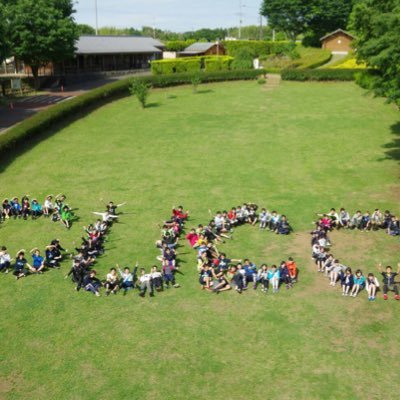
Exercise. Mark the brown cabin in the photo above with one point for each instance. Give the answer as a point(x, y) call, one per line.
point(338, 42)
point(204, 49)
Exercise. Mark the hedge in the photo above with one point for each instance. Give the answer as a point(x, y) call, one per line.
point(47, 119)
point(319, 74)
point(190, 64)
point(258, 47)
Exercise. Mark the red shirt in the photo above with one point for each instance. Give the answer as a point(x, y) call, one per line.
point(193, 238)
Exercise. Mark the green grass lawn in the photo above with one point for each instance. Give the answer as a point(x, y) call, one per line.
point(300, 149)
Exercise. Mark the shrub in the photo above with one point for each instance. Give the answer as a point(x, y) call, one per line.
point(319, 74)
point(367, 79)
point(217, 63)
point(261, 81)
point(258, 48)
point(47, 119)
point(141, 90)
point(196, 81)
point(243, 59)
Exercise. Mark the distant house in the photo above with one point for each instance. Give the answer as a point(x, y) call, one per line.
point(203, 49)
point(112, 53)
point(338, 42)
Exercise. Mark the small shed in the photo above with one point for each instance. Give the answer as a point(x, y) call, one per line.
point(338, 42)
point(204, 49)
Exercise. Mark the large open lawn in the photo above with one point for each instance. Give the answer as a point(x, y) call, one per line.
point(300, 149)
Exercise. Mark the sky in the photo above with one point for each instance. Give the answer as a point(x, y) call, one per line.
point(173, 15)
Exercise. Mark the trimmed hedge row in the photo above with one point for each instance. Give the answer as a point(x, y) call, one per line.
point(48, 119)
point(258, 47)
point(319, 74)
point(190, 64)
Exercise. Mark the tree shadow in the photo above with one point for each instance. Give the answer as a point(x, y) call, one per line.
point(19, 147)
point(393, 148)
point(204, 91)
point(153, 105)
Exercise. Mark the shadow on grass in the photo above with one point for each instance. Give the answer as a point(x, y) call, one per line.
point(153, 105)
point(393, 148)
point(9, 155)
point(204, 91)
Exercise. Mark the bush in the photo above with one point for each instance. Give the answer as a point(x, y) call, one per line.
point(261, 81)
point(191, 64)
point(48, 119)
point(319, 74)
point(141, 90)
point(367, 79)
point(258, 48)
point(243, 59)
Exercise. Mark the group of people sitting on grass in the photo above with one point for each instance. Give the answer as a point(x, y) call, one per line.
point(26, 208)
point(352, 283)
point(217, 273)
point(362, 221)
point(20, 265)
point(224, 221)
point(82, 273)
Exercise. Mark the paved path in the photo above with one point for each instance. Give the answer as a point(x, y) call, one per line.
point(273, 81)
point(27, 106)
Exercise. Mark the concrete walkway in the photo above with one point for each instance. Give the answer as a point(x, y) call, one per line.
point(27, 106)
point(273, 81)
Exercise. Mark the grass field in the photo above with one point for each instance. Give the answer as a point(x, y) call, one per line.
point(300, 149)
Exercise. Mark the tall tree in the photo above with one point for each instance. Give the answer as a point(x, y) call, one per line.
point(4, 43)
point(289, 16)
point(43, 31)
point(326, 16)
point(377, 26)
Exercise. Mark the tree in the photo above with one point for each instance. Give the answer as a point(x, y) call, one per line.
point(4, 43)
point(84, 29)
point(326, 16)
point(141, 90)
point(377, 27)
point(290, 16)
point(43, 31)
point(315, 18)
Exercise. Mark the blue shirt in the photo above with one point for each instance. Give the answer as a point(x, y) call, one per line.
point(37, 261)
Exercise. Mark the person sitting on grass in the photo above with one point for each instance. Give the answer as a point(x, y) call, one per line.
point(206, 277)
point(336, 272)
point(366, 221)
point(145, 283)
point(347, 281)
point(372, 286)
point(283, 227)
point(16, 208)
point(292, 267)
point(21, 266)
point(236, 277)
point(37, 262)
point(262, 278)
point(112, 282)
point(285, 275)
point(77, 272)
point(127, 279)
point(376, 219)
point(359, 283)
point(66, 217)
point(48, 206)
point(274, 278)
point(222, 284)
point(6, 209)
point(111, 208)
point(169, 270)
point(393, 228)
point(356, 221)
point(91, 283)
point(274, 221)
point(25, 207)
point(192, 237)
point(264, 218)
point(389, 283)
point(157, 279)
point(5, 260)
point(249, 274)
point(344, 218)
point(36, 209)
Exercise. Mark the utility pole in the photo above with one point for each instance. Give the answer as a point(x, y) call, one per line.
point(261, 27)
point(97, 17)
point(240, 18)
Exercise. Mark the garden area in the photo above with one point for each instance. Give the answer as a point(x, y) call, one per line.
point(301, 148)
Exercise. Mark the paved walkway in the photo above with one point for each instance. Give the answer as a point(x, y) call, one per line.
point(273, 81)
point(24, 107)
